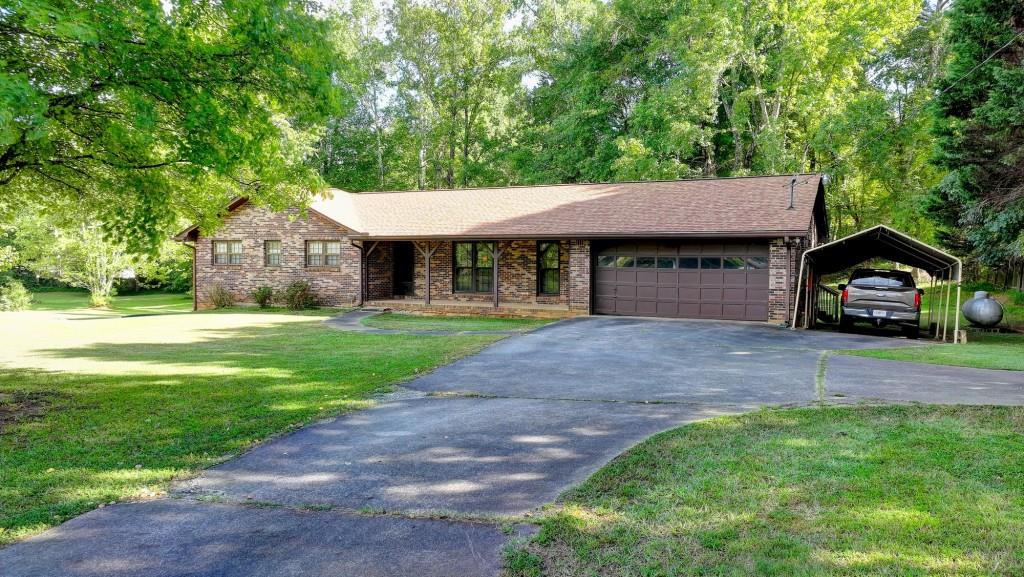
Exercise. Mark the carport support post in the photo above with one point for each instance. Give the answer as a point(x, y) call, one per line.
point(931, 300)
point(945, 312)
point(938, 314)
point(956, 311)
point(799, 280)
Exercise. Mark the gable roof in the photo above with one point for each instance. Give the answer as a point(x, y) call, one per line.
point(743, 206)
point(755, 206)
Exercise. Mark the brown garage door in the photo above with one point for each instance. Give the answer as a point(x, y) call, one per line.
point(688, 280)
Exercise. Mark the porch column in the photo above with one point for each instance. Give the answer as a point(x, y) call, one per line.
point(495, 255)
point(427, 251)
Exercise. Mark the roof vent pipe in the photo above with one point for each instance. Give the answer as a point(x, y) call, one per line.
point(792, 193)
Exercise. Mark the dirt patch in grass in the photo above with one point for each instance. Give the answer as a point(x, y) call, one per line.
point(21, 406)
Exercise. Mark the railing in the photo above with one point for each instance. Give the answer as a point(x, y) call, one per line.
point(826, 304)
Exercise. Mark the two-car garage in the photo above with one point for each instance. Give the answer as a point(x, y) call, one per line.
point(684, 279)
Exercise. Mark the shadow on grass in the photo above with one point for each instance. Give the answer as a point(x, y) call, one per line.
point(144, 413)
point(851, 491)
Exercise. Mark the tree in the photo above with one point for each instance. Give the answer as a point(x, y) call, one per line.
point(676, 88)
point(78, 253)
point(142, 111)
point(979, 125)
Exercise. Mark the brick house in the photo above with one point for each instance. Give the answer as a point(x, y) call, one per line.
point(709, 248)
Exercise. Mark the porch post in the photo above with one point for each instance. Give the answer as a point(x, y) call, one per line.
point(495, 255)
point(427, 253)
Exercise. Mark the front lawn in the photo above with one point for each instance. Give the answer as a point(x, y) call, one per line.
point(138, 304)
point(981, 351)
point(902, 490)
point(95, 409)
point(408, 322)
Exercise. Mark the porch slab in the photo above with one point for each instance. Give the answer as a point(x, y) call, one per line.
point(455, 307)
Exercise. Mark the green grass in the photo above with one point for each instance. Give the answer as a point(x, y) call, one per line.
point(1013, 313)
point(78, 302)
point(981, 351)
point(95, 409)
point(903, 490)
point(406, 322)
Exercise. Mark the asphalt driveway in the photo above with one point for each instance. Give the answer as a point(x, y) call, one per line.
point(415, 485)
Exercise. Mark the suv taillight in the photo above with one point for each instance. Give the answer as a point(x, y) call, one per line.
point(917, 300)
point(846, 295)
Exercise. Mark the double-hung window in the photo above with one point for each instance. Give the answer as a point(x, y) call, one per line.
point(272, 253)
point(548, 275)
point(323, 253)
point(474, 267)
point(227, 252)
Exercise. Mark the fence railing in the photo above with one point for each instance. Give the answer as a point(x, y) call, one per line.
point(826, 304)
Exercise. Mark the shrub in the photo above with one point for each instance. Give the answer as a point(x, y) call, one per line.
point(263, 296)
point(299, 296)
point(1017, 297)
point(220, 297)
point(14, 296)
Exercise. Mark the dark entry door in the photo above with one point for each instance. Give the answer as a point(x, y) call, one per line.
point(405, 263)
point(683, 279)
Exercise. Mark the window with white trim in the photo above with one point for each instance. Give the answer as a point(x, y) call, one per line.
point(227, 252)
point(323, 253)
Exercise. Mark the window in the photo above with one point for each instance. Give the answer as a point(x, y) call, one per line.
point(323, 253)
point(474, 267)
point(666, 262)
point(688, 262)
point(734, 262)
point(711, 262)
point(645, 262)
point(624, 262)
point(272, 253)
point(606, 261)
point(881, 278)
point(227, 252)
point(757, 262)
point(548, 273)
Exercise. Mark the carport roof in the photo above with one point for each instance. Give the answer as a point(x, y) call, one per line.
point(882, 242)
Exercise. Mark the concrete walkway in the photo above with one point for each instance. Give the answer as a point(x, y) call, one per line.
point(353, 321)
point(420, 485)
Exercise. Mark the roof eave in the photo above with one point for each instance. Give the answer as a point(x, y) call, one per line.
point(584, 235)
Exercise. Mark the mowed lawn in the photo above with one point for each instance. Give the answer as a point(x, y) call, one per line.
point(96, 407)
point(981, 351)
point(900, 490)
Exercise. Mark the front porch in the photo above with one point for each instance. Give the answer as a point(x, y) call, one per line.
point(527, 277)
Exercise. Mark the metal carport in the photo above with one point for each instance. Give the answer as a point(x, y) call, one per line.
point(889, 244)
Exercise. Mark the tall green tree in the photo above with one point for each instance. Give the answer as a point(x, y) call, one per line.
point(145, 110)
point(669, 88)
point(980, 129)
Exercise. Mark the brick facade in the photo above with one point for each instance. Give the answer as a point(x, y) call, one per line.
point(334, 286)
point(344, 284)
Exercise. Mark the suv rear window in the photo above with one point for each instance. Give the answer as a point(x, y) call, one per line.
point(882, 278)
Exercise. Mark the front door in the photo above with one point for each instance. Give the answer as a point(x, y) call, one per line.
point(404, 262)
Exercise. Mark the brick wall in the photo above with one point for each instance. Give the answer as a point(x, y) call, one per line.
point(783, 267)
point(334, 286)
point(580, 274)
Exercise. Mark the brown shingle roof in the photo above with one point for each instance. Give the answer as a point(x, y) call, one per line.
point(745, 206)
